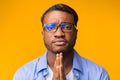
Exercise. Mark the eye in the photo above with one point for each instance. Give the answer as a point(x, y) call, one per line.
point(63, 25)
point(50, 26)
point(68, 27)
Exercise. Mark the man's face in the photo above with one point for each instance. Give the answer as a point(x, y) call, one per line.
point(59, 41)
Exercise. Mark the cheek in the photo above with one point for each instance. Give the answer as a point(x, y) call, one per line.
point(47, 38)
point(71, 37)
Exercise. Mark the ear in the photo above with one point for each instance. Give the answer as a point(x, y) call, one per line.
point(43, 34)
point(76, 32)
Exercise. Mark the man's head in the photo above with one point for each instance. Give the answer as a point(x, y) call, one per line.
point(59, 28)
point(62, 7)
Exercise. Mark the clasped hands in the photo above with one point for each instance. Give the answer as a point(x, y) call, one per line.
point(58, 70)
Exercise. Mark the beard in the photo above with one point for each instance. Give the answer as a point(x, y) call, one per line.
point(58, 49)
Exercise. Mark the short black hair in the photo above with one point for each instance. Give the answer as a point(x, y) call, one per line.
point(61, 7)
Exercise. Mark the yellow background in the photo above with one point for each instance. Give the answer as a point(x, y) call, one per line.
point(21, 39)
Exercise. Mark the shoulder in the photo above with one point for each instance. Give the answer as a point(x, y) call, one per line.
point(26, 70)
point(86, 63)
point(91, 66)
point(93, 70)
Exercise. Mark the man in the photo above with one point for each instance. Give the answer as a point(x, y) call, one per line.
point(60, 61)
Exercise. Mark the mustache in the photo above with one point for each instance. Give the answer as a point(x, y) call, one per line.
point(59, 40)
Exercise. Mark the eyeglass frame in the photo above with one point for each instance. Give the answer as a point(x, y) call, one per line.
point(73, 26)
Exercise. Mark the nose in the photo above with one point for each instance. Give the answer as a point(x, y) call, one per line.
point(59, 33)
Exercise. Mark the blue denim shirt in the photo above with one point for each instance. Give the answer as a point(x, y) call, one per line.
point(83, 69)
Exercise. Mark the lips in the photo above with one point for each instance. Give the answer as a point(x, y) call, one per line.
point(59, 42)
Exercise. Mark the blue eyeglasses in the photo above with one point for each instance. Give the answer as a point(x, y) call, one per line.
point(52, 27)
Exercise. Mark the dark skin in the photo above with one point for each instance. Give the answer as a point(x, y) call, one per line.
point(59, 45)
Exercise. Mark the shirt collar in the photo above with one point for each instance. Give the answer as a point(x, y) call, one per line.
point(77, 63)
point(42, 62)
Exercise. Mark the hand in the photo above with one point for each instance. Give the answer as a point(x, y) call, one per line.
point(58, 71)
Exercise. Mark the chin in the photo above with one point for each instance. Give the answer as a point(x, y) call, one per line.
point(62, 50)
point(58, 51)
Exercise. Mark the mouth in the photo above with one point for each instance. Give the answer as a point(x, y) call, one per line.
point(59, 42)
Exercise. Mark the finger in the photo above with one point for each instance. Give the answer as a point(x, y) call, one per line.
point(58, 65)
point(61, 73)
point(58, 59)
point(56, 73)
point(60, 56)
point(61, 67)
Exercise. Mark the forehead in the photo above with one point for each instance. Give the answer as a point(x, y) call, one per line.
point(58, 17)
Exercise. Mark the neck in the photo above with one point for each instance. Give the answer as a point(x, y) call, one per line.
point(67, 60)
